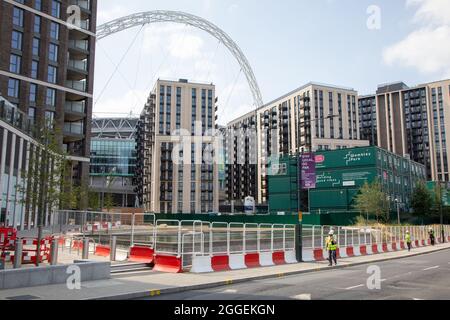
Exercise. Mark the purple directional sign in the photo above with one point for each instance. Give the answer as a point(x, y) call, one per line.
point(308, 170)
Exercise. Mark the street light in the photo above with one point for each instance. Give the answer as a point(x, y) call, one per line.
point(398, 210)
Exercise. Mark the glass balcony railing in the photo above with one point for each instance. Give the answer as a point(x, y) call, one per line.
point(79, 44)
point(13, 116)
point(76, 85)
point(78, 64)
point(73, 128)
point(75, 106)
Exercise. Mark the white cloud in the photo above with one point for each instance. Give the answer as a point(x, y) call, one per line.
point(436, 12)
point(109, 14)
point(132, 101)
point(426, 49)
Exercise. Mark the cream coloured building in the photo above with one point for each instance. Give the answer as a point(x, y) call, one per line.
point(175, 132)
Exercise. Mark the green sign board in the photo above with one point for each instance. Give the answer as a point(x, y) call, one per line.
point(445, 189)
point(346, 158)
point(345, 178)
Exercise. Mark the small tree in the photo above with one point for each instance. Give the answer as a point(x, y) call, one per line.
point(372, 200)
point(421, 201)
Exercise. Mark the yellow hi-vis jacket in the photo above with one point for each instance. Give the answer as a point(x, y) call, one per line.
point(331, 243)
point(408, 238)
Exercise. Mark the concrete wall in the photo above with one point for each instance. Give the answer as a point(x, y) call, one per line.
point(31, 277)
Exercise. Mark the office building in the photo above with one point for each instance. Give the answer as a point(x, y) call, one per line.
point(113, 161)
point(47, 68)
point(175, 131)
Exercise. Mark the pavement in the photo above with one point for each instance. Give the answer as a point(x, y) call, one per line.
point(162, 285)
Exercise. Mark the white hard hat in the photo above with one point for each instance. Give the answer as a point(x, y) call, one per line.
point(331, 232)
point(407, 231)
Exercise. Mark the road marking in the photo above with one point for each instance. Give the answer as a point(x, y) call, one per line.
point(304, 297)
point(431, 268)
point(230, 291)
point(383, 280)
point(416, 299)
point(358, 286)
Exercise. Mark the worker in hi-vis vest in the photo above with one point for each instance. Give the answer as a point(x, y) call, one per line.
point(408, 240)
point(331, 245)
point(432, 237)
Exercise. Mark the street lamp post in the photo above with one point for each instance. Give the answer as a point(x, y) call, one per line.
point(398, 210)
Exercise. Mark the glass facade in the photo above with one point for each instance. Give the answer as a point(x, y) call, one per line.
point(113, 157)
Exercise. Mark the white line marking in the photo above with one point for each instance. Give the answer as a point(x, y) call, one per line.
point(383, 280)
point(305, 297)
point(431, 268)
point(230, 291)
point(358, 286)
point(416, 299)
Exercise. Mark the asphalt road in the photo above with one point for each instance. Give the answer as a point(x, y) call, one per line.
point(425, 277)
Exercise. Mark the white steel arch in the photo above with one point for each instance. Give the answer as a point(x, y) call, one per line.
point(144, 18)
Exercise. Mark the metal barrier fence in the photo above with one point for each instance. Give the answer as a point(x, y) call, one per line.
point(314, 236)
point(129, 228)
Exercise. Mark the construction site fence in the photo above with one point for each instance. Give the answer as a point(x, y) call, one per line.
point(314, 236)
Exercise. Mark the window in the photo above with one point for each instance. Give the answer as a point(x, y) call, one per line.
point(50, 99)
point(13, 88)
point(18, 17)
point(54, 31)
point(33, 92)
point(34, 69)
point(38, 5)
point(32, 113)
point(14, 63)
point(16, 40)
point(51, 74)
point(35, 48)
point(53, 52)
point(37, 24)
point(49, 118)
point(56, 8)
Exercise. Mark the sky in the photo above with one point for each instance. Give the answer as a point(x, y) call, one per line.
point(288, 43)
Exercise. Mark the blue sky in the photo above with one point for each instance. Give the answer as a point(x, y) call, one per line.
point(288, 43)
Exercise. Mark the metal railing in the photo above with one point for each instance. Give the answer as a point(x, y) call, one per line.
point(314, 236)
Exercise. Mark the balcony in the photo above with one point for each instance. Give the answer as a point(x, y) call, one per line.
point(74, 110)
point(81, 65)
point(73, 131)
point(79, 44)
point(84, 4)
point(76, 85)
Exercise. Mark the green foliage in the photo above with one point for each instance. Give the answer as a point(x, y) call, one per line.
point(371, 200)
point(421, 201)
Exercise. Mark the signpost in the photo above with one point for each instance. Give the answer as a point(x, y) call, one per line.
point(308, 171)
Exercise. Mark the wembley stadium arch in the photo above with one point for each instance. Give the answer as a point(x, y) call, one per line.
point(143, 18)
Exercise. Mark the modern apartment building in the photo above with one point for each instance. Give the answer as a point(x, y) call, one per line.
point(411, 121)
point(176, 172)
point(313, 117)
point(113, 161)
point(47, 68)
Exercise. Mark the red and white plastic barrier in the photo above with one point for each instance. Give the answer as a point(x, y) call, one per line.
point(102, 251)
point(169, 264)
point(205, 264)
point(141, 254)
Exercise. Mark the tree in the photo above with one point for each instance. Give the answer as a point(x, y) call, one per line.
point(372, 200)
point(422, 200)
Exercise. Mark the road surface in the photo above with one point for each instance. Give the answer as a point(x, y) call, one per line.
point(425, 277)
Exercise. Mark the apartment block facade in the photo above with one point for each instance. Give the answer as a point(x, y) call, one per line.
point(47, 67)
point(175, 172)
point(313, 117)
point(412, 122)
